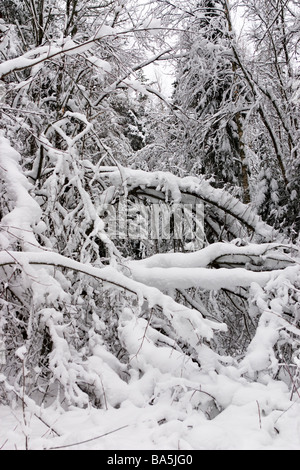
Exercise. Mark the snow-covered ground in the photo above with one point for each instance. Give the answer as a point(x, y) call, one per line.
point(258, 417)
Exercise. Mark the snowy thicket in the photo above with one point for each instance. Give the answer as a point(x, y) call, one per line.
point(113, 342)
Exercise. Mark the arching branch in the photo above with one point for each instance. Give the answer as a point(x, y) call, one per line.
point(166, 186)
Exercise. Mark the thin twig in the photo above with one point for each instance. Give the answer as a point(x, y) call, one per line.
point(259, 414)
point(88, 440)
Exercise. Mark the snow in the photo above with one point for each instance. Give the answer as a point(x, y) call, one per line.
point(20, 221)
point(181, 190)
point(21, 352)
point(161, 398)
point(42, 53)
point(100, 63)
point(29, 59)
point(208, 279)
point(184, 318)
point(136, 86)
point(153, 26)
point(186, 351)
point(212, 407)
point(216, 251)
point(249, 422)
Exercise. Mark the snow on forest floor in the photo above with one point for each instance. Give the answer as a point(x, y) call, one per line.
point(250, 422)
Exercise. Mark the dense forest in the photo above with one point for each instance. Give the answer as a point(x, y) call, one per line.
point(150, 224)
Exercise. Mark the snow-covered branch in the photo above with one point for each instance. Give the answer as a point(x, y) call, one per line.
point(186, 190)
point(206, 279)
point(182, 317)
point(265, 256)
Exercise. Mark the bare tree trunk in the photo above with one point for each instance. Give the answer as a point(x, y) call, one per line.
point(238, 121)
